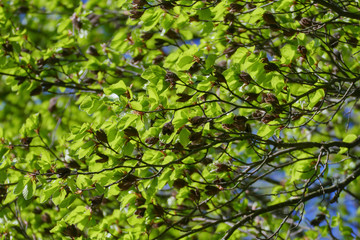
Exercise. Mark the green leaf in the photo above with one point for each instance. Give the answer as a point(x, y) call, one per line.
point(285, 4)
point(49, 190)
point(154, 73)
point(71, 183)
point(126, 200)
point(350, 138)
point(210, 60)
point(185, 63)
point(29, 189)
point(77, 215)
point(58, 196)
point(118, 88)
point(184, 137)
point(19, 186)
point(204, 14)
point(266, 131)
point(67, 201)
point(288, 53)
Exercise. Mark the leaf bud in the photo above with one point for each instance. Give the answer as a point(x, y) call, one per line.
point(211, 190)
point(270, 67)
point(269, 18)
point(76, 21)
point(63, 172)
point(135, 14)
point(131, 132)
point(245, 77)
point(180, 183)
point(198, 120)
point(302, 50)
point(168, 128)
point(305, 22)
point(92, 51)
point(151, 140)
point(235, 8)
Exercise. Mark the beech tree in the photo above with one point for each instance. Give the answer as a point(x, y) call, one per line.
point(181, 119)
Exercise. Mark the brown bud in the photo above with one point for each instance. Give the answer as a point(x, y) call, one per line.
point(195, 136)
point(227, 126)
point(302, 50)
point(219, 77)
point(270, 98)
point(131, 132)
point(206, 161)
point(222, 167)
point(177, 148)
point(352, 41)
point(127, 182)
point(94, 19)
point(268, 118)
point(171, 78)
point(172, 34)
point(229, 18)
point(211, 190)
point(168, 128)
point(140, 212)
point(235, 8)
point(103, 158)
point(288, 32)
point(139, 3)
point(194, 195)
point(197, 121)
point(158, 59)
point(245, 77)
point(269, 18)
point(166, 5)
point(147, 35)
point(318, 219)
point(231, 50)
point(7, 46)
point(136, 14)
point(101, 136)
point(46, 218)
point(180, 183)
point(151, 140)
point(183, 97)
point(37, 210)
point(36, 91)
point(26, 140)
point(270, 67)
point(76, 21)
point(251, 96)
point(305, 22)
point(92, 51)
point(158, 210)
point(52, 104)
point(275, 27)
point(257, 114)
point(72, 164)
point(140, 201)
point(72, 231)
point(63, 172)
point(96, 201)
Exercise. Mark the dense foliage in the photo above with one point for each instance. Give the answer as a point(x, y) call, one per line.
point(179, 119)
